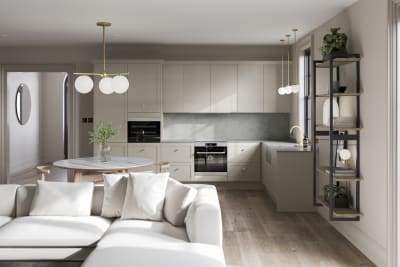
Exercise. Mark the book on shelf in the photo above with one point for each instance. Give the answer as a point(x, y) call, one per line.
point(338, 171)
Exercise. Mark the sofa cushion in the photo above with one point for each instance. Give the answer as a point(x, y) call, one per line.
point(142, 233)
point(151, 244)
point(184, 255)
point(62, 199)
point(178, 198)
point(8, 196)
point(145, 195)
point(4, 220)
point(114, 194)
point(53, 231)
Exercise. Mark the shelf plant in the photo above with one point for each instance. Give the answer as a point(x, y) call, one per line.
point(339, 194)
point(334, 43)
point(100, 136)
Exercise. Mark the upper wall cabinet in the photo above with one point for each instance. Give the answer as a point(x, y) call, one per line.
point(250, 93)
point(223, 88)
point(111, 108)
point(196, 86)
point(273, 102)
point(144, 94)
point(173, 88)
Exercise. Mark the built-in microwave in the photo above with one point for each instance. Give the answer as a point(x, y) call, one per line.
point(144, 130)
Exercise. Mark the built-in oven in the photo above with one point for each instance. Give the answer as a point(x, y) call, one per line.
point(144, 130)
point(210, 159)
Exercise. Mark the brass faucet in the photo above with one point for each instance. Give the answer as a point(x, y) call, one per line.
point(299, 137)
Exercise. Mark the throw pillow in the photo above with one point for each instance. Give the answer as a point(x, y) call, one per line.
point(114, 194)
point(177, 200)
point(62, 199)
point(145, 195)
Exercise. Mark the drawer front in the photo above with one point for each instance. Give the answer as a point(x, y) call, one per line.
point(243, 152)
point(176, 152)
point(180, 172)
point(143, 151)
point(246, 172)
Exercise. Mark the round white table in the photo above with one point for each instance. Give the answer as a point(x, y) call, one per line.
point(85, 169)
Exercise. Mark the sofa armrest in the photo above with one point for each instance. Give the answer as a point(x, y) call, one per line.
point(203, 218)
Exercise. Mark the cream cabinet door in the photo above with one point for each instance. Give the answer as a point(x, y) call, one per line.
point(173, 88)
point(223, 88)
point(141, 150)
point(144, 94)
point(110, 108)
point(119, 149)
point(244, 173)
point(273, 102)
point(243, 152)
point(177, 153)
point(196, 84)
point(180, 172)
point(250, 88)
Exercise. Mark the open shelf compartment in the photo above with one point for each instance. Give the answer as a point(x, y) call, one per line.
point(340, 212)
point(340, 178)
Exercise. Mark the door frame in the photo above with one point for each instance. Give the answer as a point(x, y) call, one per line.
point(393, 117)
point(73, 110)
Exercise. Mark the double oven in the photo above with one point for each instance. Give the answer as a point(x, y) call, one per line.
point(210, 159)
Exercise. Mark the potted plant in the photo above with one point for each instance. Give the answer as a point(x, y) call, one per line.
point(334, 43)
point(339, 194)
point(100, 136)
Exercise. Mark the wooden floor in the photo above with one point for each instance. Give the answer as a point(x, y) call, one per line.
point(256, 235)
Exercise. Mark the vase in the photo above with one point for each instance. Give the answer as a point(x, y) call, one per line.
point(104, 152)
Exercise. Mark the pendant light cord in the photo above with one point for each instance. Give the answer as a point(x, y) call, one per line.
point(288, 62)
point(104, 50)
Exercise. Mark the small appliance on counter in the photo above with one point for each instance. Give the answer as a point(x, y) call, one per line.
point(210, 159)
point(144, 130)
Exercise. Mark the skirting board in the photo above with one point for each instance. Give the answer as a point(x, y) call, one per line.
point(256, 186)
point(369, 247)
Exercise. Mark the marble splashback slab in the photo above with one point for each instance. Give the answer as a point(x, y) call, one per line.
point(230, 126)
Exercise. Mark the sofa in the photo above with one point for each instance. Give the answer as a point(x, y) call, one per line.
point(99, 241)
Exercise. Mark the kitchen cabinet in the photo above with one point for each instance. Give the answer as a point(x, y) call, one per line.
point(110, 109)
point(290, 187)
point(173, 88)
point(119, 149)
point(144, 94)
point(273, 102)
point(180, 158)
point(223, 88)
point(244, 162)
point(144, 150)
point(196, 84)
point(250, 93)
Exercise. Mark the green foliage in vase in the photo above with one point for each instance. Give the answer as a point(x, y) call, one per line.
point(334, 41)
point(102, 133)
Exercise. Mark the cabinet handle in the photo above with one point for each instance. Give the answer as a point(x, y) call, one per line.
point(176, 150)
point(242, 149)
point(141, 150)
point(243, 169)
point(176, 169)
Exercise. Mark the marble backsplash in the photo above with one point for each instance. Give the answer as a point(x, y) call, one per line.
point(230, 126)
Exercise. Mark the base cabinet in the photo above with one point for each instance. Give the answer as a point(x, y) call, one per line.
point(180, 172)
point(244, 162)
point(180, 158)
point(244, 172)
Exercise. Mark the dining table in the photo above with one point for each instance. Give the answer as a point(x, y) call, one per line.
point(92, 168)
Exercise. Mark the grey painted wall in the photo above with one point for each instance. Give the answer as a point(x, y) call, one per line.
point(269, 126)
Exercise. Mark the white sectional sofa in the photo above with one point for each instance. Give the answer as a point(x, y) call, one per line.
point(99, 241)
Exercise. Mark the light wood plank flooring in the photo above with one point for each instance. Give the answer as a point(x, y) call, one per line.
point(256, 235)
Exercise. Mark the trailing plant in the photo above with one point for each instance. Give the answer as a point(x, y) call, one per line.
point(334, 41)
point(102, 133)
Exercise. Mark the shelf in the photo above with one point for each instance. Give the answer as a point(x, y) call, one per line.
point(339, 178)
point(337, 129)
point(340, 212)
point(339, 94)
point(338, 62)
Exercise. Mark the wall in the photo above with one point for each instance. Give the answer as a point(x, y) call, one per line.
point(209, 127)
point(52, 116)
point(24, 139)
point(366, 25)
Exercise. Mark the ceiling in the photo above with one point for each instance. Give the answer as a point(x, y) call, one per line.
point(72, 22)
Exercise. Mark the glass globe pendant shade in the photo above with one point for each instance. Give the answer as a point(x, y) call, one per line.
point(288, 90)
point(120, 84)
point(105, 85)
point(295, 88)
point(281, 90)
point(84, 84)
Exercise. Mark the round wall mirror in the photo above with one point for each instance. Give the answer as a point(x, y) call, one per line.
point(23, 104)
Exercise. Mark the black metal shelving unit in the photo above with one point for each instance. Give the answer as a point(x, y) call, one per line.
point(334, 134)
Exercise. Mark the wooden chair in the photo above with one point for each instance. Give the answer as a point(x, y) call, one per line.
point(44, 170)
